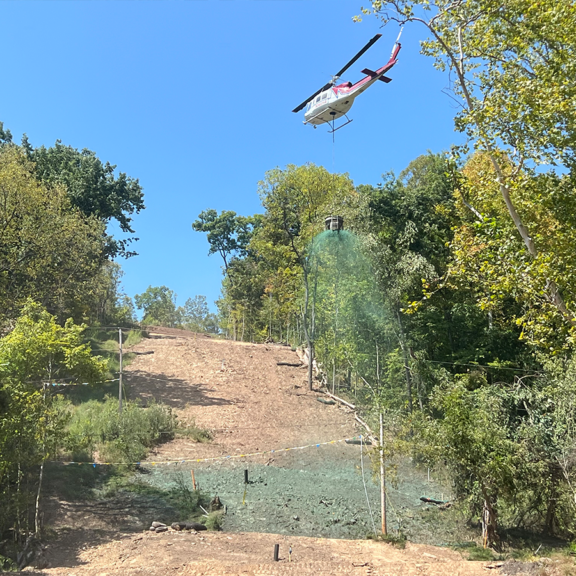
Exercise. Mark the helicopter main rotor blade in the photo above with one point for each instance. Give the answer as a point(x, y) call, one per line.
point(370, 43)
point(338, 74)
point(325, 87)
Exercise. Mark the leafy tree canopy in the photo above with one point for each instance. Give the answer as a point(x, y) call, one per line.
point(197, 317)
point(228, 234)
point(159, 306)
point(510, 67)
point(49, 250)
point(92, 186)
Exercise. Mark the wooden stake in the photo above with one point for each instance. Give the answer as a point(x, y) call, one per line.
point(120, 371)
point(382, 479)
point(193, 480)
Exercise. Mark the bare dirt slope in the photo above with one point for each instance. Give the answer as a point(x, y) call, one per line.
point(251, 404)
point(235, 389)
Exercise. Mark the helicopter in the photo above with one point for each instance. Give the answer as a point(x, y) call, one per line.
point(333, 100)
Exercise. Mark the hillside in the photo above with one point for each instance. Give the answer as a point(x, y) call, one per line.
point(309, 498)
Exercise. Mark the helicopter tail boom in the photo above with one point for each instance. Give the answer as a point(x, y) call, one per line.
point(372, 74)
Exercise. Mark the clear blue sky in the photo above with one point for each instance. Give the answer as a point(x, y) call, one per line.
point(194, 98)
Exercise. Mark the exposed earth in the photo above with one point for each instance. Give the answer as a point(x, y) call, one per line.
point(312, 499)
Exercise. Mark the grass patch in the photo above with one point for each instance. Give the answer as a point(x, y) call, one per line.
point(78, 482)
point(214, 520)
point(80, 394)
point(105, 343)
point(96, 429)
point(481, 554)
point(181, 502)
point(177, 502)
point(188, 429)
point(397, 540)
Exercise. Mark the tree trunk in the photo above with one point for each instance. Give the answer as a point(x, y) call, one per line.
point(37, 526)
point(489, 521)
point(310, 363)
point(552, 503)
point(406, 365)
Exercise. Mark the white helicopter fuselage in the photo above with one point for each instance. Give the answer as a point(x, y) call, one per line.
point(327, 106)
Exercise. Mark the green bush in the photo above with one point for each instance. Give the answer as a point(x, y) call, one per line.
point(97, 427)
point(214, 520)
point(186, 500)
point(192, 432)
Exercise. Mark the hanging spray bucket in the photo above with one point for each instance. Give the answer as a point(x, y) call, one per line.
point(335, 223)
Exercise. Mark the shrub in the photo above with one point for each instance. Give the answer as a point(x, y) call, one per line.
point(97, 427)
point(215, 520)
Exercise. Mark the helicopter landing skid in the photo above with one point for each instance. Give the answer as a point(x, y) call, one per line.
point(341, 125)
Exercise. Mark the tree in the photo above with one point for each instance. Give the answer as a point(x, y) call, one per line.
point(490, 259)
point(92, 187)
point(111, 307)
point(473, 437)
point(296, 200)
point(49, 250)
point(159, 306)
point(228, 234)
point(510, 62)
point(197, 317)
point(36, 353)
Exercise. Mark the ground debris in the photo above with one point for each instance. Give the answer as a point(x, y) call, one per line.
point(178, 526)
point(520, 568)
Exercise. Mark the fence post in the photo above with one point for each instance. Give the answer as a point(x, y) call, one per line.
point(382, 479)
point(120, 372)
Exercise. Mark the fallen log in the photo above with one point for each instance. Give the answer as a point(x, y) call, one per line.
point(294, 364)
point(324, 401)
point(371, 436)
point(188, 526)
point(431, 500)
point(340, 400)
point(358, 442)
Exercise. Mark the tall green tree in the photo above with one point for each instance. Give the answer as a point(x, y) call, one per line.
point(509, 63)
point(489, 258)
point(159, 306)
point(228, 234)
point(297, 199)
point(196, 316)
point(49, 250)
point(92, 186)
point(111, 306)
